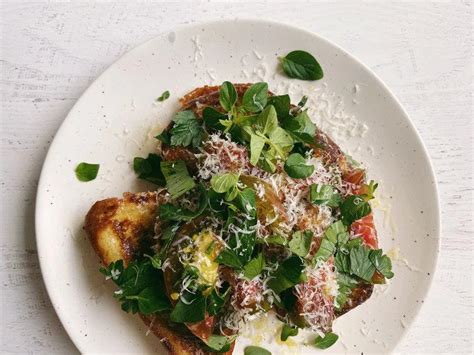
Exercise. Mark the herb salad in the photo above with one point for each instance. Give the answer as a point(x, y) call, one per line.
point(257, 211)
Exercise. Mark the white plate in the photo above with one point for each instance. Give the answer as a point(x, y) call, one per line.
point(116, 119)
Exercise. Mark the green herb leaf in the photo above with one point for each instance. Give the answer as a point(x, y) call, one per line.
point(276, 239)
point(151, 300)
point(382, 263)
point(170, 212)
point(254, 267)
point(282, 105)
point(229, 258)
point(324, 195)
point(301, 128)
point(353, 208)
point(267, 121)
point(191, 310)
point(256, 350)
point(255, 98)
point(219, 343)
point(149, 169)
point(301, 65)
point(325, 342)
point(301, 242)
point(295, 167)
point(186, 129)
point(326, 249)
point(164, 137)
point(87, 172)
point(212, 118)
point(361, 265)
point(224, 183)
point(256, 146)
point(165, 95)
point(288, 331)
point(287, 275)
point(281, 141)
point(227, 96)
point(215, 301)
point(177, 177)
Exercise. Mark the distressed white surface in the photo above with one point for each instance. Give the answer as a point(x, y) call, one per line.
point(52, 52)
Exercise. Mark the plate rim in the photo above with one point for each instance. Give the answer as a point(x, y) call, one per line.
point(40, 194)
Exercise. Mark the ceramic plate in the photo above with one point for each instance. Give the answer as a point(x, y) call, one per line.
point(117, 118)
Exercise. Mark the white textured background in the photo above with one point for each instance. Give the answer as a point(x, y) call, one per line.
point(51, 52)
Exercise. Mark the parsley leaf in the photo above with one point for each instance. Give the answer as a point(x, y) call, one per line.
point(87, 172)
point(215, 301)
point(325, 342)
point(301, 65)
point(382, 263)
point(164, 96)
point(191, 308)
point(177, 177)
point(186, 129)
point(170, 212)
point(353, 208)
point(324, 195)
point(288, 331)
point(227, 96)
point(164, 137)
point(255, 98)
point(361, 265)
point(295, 167)
point(254, 267)
point(301, 242)
point(149, 169)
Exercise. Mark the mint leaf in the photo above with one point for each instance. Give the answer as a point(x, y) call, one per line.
point(256, 350)
point(254, 267)
point(149, 169)
point(324, 195)
point(382, 263)
point(325, 342)
point(353, 208)
point(301, 65)
point(301, 242)
point(361, 265)
point(186, 130)
point(177, 177)
point(87, 172)
point(295, 167)
point(227, 96)
point(255, 98)
point(164, 96)
point(288, 331)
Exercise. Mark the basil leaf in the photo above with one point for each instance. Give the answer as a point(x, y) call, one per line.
point(149, 169)
point(325, 342)
point(287, 275)
point(254, 267)
point(227, 96)
point(324, 195)
point(288, 331)
point(177, 177)
point(256, 350)
point(353, 208)
point(267, 121)
point(186, 130)
point(225, 182)
point(164, 96)
point(256, 146)
point(170, 212)
point(301, 242)
point(382, 263)
point(301, 128)
point(191, 310)
point(212, 118)
point(216, 301)
point(255, 98)
point(164, 137)
point(361, 265)
point(87, 172)
point(295, 167)
point(282, 105)
point(301, 65)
